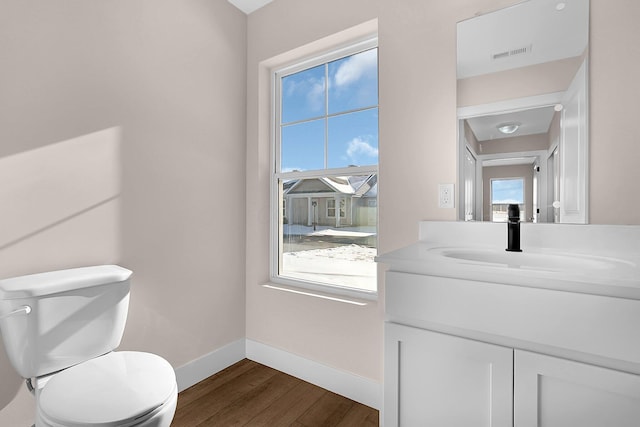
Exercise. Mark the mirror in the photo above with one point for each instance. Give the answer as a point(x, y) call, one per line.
point(522, 92)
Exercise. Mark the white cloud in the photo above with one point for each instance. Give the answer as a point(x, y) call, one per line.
point(358, 146)
point(311, 88)
point(355, 67)
point(315, 96)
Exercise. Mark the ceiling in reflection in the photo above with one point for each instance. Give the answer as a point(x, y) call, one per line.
point(514, 38)
point(248, 6)
point(531, 122)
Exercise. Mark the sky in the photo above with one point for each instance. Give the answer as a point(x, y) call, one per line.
point(317, 116)
point(505, 191)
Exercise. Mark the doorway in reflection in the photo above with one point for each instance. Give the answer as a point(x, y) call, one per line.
point(494, 160)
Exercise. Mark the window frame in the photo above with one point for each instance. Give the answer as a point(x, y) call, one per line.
point(276, 174)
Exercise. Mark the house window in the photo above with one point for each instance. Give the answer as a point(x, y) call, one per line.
point(325, 171)
point(331, 208)
point(503, 193)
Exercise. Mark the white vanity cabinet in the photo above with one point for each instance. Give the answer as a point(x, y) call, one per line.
point(468, 353)
point(555, 392)
point(440, 380)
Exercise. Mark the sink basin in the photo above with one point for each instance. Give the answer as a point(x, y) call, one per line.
point(529, 260)
point(588, 259)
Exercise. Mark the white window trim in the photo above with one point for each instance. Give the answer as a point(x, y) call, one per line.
point(274, 247)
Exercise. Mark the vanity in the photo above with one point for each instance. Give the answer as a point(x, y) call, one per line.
point(478, 336)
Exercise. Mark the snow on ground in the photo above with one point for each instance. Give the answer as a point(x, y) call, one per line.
point(348, 265)
point(322, 256)
point(323, 230)
point(341, 233)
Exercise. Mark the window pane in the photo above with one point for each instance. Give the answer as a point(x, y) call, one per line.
point(503, 193)
point(353, 139)
point(507, 191)
point(353, 82)
point(303, 95)
point(302, 146)
point(335, 250)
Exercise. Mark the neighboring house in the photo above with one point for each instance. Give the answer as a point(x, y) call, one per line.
point(338, 201)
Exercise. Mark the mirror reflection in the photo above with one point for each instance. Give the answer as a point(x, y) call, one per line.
point(522, 112)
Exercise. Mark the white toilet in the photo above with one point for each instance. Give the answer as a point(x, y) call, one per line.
point(60, 329)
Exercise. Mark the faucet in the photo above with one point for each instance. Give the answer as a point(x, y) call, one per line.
point(513, 229)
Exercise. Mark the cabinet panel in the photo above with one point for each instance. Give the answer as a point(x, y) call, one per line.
point(599, 326)
point(432, 379)
point(553, 392)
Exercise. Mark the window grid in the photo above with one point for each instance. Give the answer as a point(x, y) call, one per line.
point(280, 176)
point(280, 74)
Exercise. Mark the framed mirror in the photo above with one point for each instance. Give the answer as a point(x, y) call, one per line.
point(523, 125)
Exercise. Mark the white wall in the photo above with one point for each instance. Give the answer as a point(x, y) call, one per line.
point(548, 77)
point(336, 334)
point(417, 134)
point(417, 147)
point(122, 128)
point(614, 88)
point(165, 83)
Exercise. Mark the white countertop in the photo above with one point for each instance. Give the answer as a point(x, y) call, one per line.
point(592, 259)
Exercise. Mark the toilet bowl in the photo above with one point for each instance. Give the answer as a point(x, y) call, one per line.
point(118, 389)
point(60, 330)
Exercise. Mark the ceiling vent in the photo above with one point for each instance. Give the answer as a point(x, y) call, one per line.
point(512, 52)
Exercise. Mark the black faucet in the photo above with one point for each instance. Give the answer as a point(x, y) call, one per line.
point(513, 228)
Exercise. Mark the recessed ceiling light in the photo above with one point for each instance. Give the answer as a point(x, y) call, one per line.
point(560, 6)
point(508, 128)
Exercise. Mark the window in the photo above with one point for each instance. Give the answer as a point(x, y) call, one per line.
point(503, 193)
point(325, 170)
point(331, 208)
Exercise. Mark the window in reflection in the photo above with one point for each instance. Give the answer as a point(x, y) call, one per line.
point(503, 193)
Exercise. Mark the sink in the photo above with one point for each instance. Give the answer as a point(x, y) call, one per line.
point(530, 260)
point(588, 259)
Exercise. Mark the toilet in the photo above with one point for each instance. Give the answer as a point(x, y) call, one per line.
point(60, 330)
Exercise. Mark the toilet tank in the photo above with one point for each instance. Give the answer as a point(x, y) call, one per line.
point(51, 321)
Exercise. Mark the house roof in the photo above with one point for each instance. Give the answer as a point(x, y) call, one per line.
point(369, 187)
point(356, 185)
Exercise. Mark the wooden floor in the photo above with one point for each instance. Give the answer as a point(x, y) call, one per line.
point(251, 394)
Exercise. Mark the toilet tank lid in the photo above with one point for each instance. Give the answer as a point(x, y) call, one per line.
point(54, 282)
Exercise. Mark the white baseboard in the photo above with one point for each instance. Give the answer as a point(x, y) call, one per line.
point(360, 389)
point(209, 364)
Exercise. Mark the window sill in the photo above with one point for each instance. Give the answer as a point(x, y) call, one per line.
point(342, 295)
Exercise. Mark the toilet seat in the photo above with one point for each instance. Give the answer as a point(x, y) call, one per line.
point(118, 389)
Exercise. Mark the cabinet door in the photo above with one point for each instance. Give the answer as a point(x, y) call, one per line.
point(433, 379)
point(553, 392)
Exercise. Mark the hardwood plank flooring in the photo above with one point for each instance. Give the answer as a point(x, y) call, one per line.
point(250, 394)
